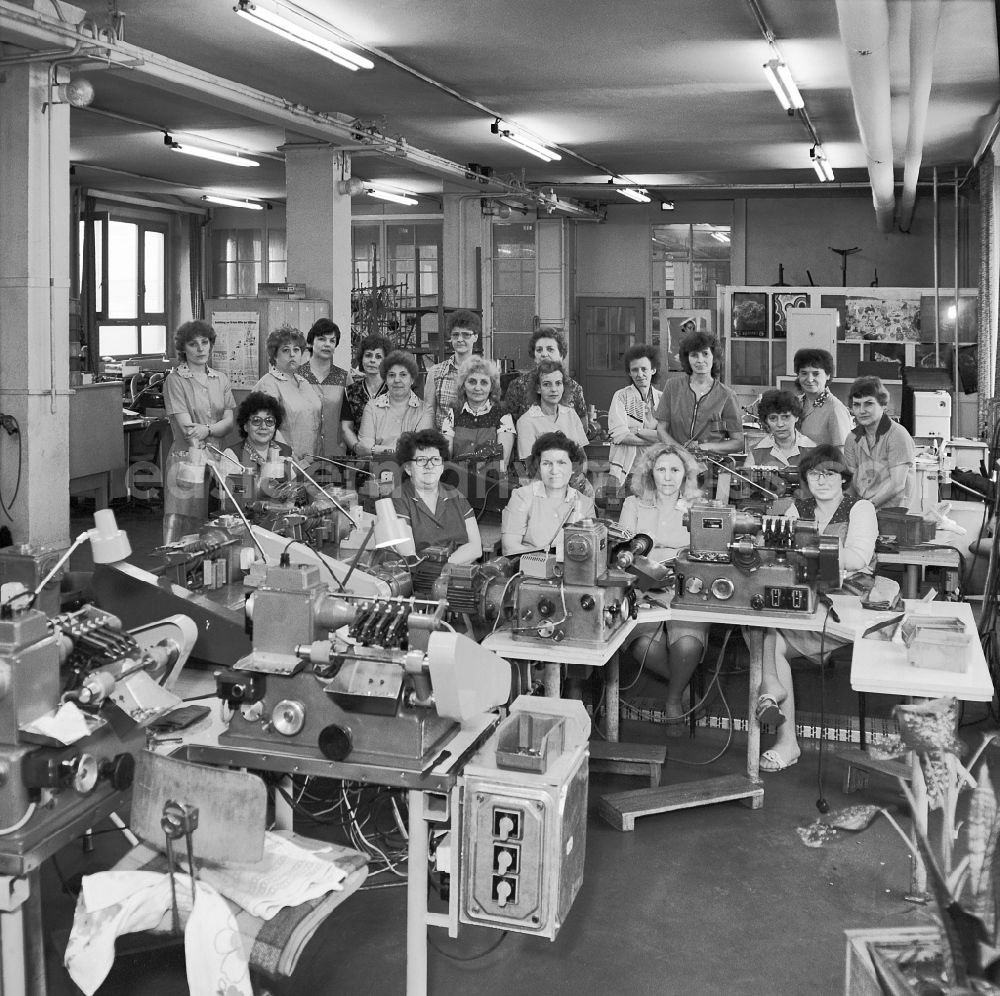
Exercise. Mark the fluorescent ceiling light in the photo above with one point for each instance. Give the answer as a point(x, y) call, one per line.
point(301, 35)
point(821, 164)
point(202, 153)
point(233, 202)
point(525, 142)
point(635, 194)
point(397, 197)
point(784, 87)
point(721, 237)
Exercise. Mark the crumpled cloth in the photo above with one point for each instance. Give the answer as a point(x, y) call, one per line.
point(115, 903)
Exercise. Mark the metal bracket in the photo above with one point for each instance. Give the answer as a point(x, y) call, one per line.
point(13, 893)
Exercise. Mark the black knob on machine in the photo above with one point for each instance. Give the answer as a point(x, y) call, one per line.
point(587, 603)
point(119, 770)
point(757, 602)
point(546, 607)
point(335, 742)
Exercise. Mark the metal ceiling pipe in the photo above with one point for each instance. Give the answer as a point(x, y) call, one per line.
point(864, 33)
point(925, 18)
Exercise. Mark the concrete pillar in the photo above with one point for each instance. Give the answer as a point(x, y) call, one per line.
point(319, 233)
point(34, 305)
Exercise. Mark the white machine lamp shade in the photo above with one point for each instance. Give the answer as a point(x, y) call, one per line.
point(108, 543)
point(390, 530)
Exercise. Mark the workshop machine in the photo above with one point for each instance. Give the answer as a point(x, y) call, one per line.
point(585, 602)
point(77, 693)
point(747, 563)
point(353, 678)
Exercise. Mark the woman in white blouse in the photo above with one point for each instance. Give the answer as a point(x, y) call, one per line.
point(825, 478)
point(632, 413)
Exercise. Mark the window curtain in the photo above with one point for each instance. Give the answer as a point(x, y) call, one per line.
point(88, 288)
point(196, 264)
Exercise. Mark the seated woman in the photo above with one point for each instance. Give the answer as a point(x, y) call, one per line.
point(665, 482)
point(259, 418)
point(784, 445)
point(536, 513)
point(436, 514)
point(548, 414)
point(476, 426)
point(632, 413)
point(825, 479)
point(388, 416)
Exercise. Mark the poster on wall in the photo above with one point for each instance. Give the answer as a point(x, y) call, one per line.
point(675, 323)
point(886, 317)
point(749, 315)
point(235, 351)
point(780, 304)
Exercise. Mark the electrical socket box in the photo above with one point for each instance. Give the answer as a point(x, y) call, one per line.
point(523, 833)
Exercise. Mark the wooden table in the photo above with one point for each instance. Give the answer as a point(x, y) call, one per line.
point(881, 666)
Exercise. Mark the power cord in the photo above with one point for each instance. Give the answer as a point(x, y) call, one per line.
point(10, 423)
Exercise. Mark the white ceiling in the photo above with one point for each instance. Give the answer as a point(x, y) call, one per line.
point(668, 93)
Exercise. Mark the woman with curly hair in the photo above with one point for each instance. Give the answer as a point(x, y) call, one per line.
point(400, 410)
point(302, 401)
point(259, 419)
point(784, 445)
point(632, 412)
point(476, 420)
point(665, 482)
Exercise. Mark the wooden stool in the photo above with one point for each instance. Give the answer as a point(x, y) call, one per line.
point(628, 759)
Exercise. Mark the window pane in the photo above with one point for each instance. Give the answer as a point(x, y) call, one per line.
point(154, 339)
point(117, 340)
point(277, 271)
point(276, 250)
point(247, 276)
point(154, 277)
point(123, 269)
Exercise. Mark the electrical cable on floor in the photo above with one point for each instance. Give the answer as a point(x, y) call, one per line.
point(466, 958)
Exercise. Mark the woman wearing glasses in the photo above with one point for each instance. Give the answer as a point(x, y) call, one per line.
point(437, 515)
point(258, 418)
point(825, 478)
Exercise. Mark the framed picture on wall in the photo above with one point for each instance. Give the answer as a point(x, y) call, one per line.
point(780, 304)
point(749, 315)
point(885, 317)
point(675, 323)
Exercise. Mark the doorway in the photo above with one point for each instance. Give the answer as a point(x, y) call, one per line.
point(608, 326)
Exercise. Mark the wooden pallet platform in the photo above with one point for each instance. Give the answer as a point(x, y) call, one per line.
point(622, 809)
point(628, 759)
point(860, 765)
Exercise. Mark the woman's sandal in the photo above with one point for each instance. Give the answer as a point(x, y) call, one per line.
point(767, 711)
point(771, 760)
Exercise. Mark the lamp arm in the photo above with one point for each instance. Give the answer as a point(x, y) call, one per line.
point(239, 511)
point(323, 491)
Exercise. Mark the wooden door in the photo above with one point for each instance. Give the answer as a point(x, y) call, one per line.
point(607, 327)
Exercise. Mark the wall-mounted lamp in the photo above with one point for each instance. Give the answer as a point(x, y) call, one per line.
point(494, 209)
point(525, 142)
point(351, 187)
point(784, 87)
point(821, 164)
point(203, 153)
point(77, 92)
point(301, 35)
point(233, 202)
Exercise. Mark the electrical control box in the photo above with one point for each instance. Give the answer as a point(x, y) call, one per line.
point(524, 831)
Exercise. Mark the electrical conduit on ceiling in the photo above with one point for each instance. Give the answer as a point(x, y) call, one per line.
point(924, 20)
point(864, 33)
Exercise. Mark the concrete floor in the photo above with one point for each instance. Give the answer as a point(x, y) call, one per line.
point(720, 899)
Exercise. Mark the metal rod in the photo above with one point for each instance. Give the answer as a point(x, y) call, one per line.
point(937, 283)
point(323, 491)
point(735, 473)
point(954, 358)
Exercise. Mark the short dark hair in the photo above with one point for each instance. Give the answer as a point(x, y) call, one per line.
point(192, 330)
point(258, 401)
point(869, 387)
point(819, 358)
point(548, 332)
point(640, 351)
point(776, 402)
point(399, 358)
point(372, 342)
point(696, 341)
point(552, 441)
point(425, 439)
point(826, 456)
point(543, 368)
point(464, 320)
point(282, 336)
point(323, 326)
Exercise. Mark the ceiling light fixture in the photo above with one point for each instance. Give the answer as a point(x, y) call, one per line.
point(525, 142)
point(780, 78)
point(721, 237)
point(233, 202)
point(396, 196)
point(635, 193)
point(821, 164)
point(202, 153)
point(301, 35)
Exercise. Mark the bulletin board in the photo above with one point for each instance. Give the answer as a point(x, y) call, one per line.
point(235, 353)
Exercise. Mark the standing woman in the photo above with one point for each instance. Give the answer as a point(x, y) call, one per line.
point(369, 386)
point(477, 419)
point(399, 410)
point(199, 403)
point(331, 380)
point(301, 400)
point(665, 483)
point(632, 413)
point(824, 419)
point(697, 410)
